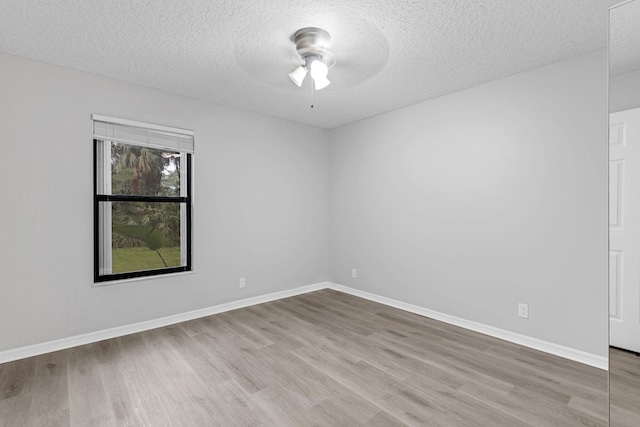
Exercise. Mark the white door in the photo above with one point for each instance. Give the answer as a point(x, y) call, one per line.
point(624, 229)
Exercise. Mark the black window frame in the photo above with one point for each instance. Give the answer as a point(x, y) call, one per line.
point(97, 277)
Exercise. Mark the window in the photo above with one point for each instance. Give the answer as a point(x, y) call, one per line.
point(142, 200)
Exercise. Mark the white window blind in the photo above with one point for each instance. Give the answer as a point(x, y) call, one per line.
point(142, 134)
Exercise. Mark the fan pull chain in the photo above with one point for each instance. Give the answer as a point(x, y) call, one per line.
point(312, 94)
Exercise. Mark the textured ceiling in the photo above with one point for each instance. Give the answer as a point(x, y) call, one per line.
point(624, 54)
point(238, 52)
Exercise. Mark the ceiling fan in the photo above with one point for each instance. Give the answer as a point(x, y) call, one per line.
point(312, 45)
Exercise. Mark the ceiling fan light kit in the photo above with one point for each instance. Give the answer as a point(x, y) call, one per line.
point(312, 46)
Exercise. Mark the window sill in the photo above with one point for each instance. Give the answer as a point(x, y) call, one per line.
point(137, 279)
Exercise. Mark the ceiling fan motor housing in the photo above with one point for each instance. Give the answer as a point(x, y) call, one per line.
point(312, 42)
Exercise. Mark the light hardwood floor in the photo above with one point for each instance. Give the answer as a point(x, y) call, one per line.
point(323, 358)
point(624, 383)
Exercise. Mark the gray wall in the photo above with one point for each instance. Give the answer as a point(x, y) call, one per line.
point(261, 204)
point(624, 91)
point(473, 202)
point(466, 204)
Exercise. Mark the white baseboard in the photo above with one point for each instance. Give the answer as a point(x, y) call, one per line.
point(537, 344)
point(64, 343)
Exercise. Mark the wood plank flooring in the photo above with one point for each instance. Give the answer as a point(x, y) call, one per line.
point(624, 383)
point(323, 358)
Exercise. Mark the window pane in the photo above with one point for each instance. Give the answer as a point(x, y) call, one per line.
point(145, 236)
point(142, 171)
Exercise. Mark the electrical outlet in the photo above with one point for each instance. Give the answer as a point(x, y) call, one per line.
point(523, 311)
point(354, 273)
point(243, 282)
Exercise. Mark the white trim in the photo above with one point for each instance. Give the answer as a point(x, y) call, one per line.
point(537, 344)
point(91, 337)
point(141, 278)
point(127, 122)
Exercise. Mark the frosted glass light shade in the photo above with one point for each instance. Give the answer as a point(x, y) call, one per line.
point(319, 72)
point(318, 69)
point(297, 76)
point(321, 83)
